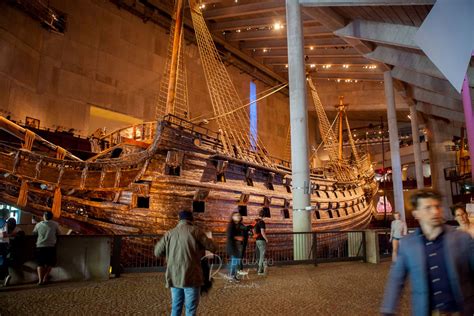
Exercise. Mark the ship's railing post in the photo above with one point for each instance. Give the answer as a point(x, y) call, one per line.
point(315, 248)
point(365, 247)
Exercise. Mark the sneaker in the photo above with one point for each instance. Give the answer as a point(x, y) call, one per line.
point(6, 282)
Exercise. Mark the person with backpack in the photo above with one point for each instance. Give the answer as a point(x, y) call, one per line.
point(259, 232)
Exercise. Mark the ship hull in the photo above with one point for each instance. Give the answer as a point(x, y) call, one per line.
point(187, 172)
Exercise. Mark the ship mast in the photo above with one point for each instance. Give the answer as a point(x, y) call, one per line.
point(341, 108)
point(178, 28)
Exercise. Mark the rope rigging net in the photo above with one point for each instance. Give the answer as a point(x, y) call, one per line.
point(234, 125)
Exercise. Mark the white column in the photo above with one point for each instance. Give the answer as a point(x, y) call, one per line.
point(394, 144)
point(416, 147)
point(299, 127)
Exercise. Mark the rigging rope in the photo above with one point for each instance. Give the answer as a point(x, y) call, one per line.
point(247, 104)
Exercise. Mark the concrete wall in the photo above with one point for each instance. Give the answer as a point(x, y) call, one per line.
point(107, 58)
point(78, 258)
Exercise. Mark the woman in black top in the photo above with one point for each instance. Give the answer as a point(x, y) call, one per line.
point(235, 239)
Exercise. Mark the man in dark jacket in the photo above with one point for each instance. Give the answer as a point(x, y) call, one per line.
point(438, 260)
point(184, 247)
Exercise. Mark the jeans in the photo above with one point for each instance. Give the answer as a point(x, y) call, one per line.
point(234, 263)
point(188, 296)
point(261, 248)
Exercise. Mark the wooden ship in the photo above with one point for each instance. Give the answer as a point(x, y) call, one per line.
point(145, 174)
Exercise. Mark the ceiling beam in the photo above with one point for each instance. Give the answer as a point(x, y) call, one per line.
point(333, 21)
point(282, 43)
point(346, 3)
point(426, 82)
point(321, 60)
point(342, 77)
point(385, 33)
point(266, 72)
point(325, 16)
point(239, 10)
point(337, 72)
point(412, 61)
point(254, 35)
point(243, 24)
point(439, 111)
point(330, 52)
point(434, 98)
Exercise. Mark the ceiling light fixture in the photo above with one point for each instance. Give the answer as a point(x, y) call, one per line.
point(311, 47)
point(277, 26)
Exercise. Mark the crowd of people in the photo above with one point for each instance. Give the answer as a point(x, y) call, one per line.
point(436, 258)
point(13, 255)
point(185, 246)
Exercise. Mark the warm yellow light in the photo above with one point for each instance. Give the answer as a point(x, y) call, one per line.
point(111, 115)
point(286, 66)
point(277, 26)
point(312, 65)
point(202, 6)
point(238, 31)
point(265, 50)
point(311, 47)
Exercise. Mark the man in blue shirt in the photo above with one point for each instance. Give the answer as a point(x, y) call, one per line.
point(439, 262)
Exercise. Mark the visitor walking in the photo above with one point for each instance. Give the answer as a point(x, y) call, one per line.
point(397, 231)
point(47, 232)
point(235, 243)
point(184, 246)
point(438, 260)
point(261, 241)
point(461, 216)
point(14, 236)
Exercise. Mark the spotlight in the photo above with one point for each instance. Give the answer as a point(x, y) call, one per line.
point(277, 26)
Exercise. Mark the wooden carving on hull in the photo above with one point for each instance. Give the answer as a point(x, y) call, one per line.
point(148, 172)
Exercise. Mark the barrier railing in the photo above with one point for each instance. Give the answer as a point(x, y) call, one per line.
point(135, 253)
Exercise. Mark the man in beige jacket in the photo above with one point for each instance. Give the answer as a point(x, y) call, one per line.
point(184, 247)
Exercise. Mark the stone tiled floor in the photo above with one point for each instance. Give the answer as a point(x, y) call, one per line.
point(329, 289)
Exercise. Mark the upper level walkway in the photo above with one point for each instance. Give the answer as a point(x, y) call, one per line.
point(344, 288)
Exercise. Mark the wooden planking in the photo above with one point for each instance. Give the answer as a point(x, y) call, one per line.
point(414, 17)
point(398, 11)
